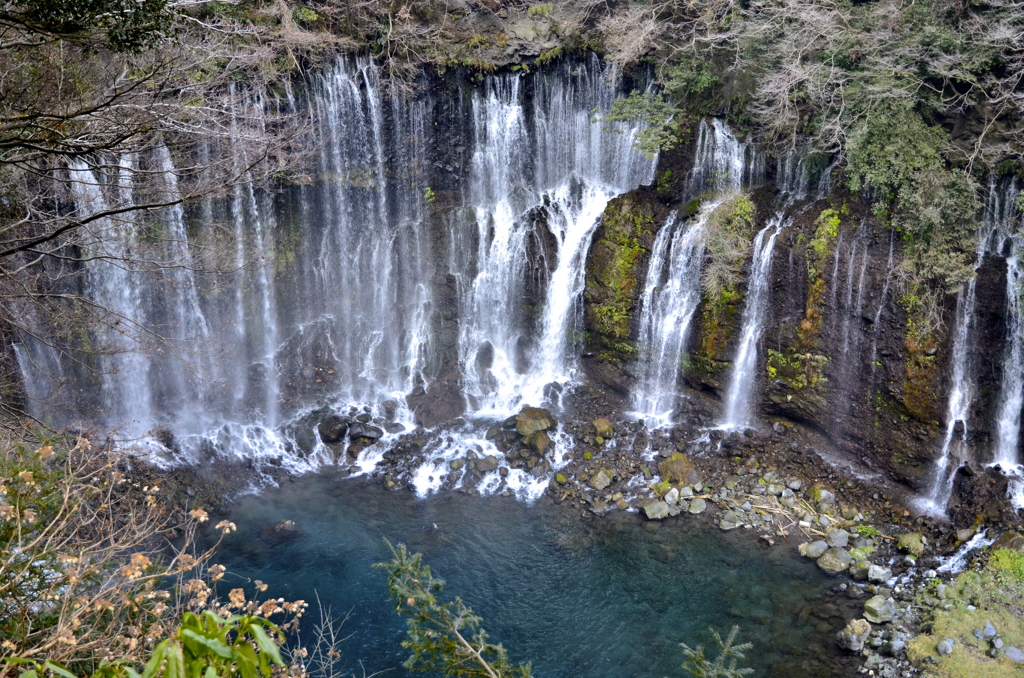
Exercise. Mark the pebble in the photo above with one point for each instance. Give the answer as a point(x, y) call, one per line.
point(989, 631)
point(945, 647)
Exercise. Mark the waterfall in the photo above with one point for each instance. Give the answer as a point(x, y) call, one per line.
point(883, 299)
point(961, 392)
point(113, 285)
point(1001, 211)
point(435, 242)
point(547, 166)
point(721, 162)
point(669, 301)
point(744, 370)
point(672, 289)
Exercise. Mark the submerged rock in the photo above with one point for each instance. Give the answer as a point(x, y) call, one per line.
point(282, 531)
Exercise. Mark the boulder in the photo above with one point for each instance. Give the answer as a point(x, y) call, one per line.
point(672, 497)
point(538, 441)
point(835, 561)
point(912, 543)
point(821, 495)
point(333, 428)
point(813, 549)
point(678, 468)
point(698, 505)
point(731, 520)
point(838, 538)
point(878, 574)
point(600, 480)
point(282, 531)
point(1009, 540)
point(440, 403)
point(1013, 654)
point(532, 420)
point(365, 431)
point(603, 427)
point(487, 464)
point(852, 637)
point(656, 510)
point(879, 610)
point(945, 647)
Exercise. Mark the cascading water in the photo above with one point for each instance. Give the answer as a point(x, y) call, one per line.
point(721, 162)
point(672, 289)
point(958, 408)
point(1001, 209)
point(547, 166)
point(126, 398)
point(343, 291)
point(670, 299)
point(740, 393)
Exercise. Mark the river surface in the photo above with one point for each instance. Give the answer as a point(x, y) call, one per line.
point(577, 596)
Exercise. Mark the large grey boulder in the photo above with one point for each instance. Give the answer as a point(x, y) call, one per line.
point(600, 480)
point(656, 510)
point(532, 420)
point(879, 610)
point(852, 637)
point(835, 561)
point(813, 549)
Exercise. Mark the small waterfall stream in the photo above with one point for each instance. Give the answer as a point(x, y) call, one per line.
point(1001, 209)
point(672, 288)
point(670, 299)
point(744, 371)
point(954, 443)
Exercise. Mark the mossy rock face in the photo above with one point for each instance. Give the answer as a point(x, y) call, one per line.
point(678, 468)
point(615, 271)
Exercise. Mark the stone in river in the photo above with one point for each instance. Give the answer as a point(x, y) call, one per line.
point(835, 561)
point(853, 636)
point(813, 549)
point(656, 510)
point(698, 505)
point(533, 419)
point(879, 610)
point(600, 480)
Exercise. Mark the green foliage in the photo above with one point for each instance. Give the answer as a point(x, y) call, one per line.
point(663, 127)
point(819, 250)
point(442, 636)
point(304, 15)
point(869, 531)
point(124, 25)
point(206, 645)
point(545, 58)
point(429, 195)
point(798, 370)
point(1008, 562)
point(730, 230)
point(724, 665)
point(541, 9)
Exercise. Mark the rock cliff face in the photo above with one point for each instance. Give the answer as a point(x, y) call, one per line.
point(835, 355)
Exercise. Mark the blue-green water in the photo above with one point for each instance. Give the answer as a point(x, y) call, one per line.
point(578, 597)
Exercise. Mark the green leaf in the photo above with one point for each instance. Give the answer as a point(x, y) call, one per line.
point(266, 644)
point(212, 644)
point(155, 660)
point(54, 667)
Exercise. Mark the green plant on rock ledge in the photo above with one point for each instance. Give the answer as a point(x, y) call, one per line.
point(798, 370)
point(616, 254)
point(730, 230)
point(819, 251)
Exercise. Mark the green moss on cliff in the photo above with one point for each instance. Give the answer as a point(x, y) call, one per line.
point(730, 230)
point(612, 277)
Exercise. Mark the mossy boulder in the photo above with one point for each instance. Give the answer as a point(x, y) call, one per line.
point(912, 543)
point(533, 419)
point(603, 427)
point(678, 468)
